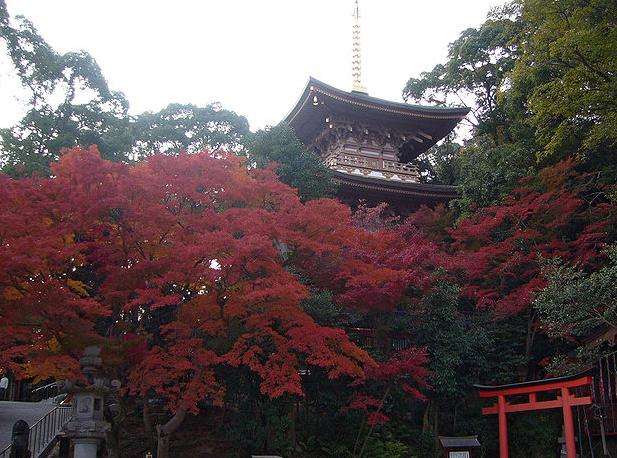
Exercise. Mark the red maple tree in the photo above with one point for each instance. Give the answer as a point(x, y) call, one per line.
point(179, 266)
point(498, 250)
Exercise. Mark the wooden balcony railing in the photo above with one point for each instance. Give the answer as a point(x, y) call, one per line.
point(405, 172)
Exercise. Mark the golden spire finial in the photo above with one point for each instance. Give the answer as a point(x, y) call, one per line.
point(356, 64)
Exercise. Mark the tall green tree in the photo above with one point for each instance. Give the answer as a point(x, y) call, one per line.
point(487, 172)
point(477, 73)
point(476, 70)
point(295, 164)
point(541, 77)
point(70, 103)
point(438, 165)
point(186, 127)
point(564, 85)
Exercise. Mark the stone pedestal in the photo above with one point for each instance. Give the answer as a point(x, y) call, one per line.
point(64, 447)
point(85, 448)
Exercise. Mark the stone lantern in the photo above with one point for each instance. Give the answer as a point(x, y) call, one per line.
point(88, 427)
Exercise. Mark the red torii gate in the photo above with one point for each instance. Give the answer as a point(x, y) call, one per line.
point(565, 399)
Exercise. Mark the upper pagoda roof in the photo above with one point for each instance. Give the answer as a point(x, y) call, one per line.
point(426, 125)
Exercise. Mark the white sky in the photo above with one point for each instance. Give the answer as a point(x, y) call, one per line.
point(252, 56)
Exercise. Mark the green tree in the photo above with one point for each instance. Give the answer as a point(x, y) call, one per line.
point(565, 83)
point(477, 73)
point(458, 342)
point(487, 172)
point(296, 165)
point(438, 164)
point(70, 103)
point(186, 127)
point(575, 303)
point(441, 328)
point(476, 70)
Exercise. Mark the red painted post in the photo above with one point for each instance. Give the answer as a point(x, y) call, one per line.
point(503, 427)
point(568, 423)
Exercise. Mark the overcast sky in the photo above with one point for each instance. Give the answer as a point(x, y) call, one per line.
point(252, 56)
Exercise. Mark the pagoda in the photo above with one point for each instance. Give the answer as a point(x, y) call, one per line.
point(370, 143)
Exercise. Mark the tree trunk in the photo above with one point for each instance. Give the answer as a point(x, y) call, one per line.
point(147, 419)
point(426, 417)
point(529, 341)
point(436, 427)
point(148, 426)
point(165, 431)
point(293, 418)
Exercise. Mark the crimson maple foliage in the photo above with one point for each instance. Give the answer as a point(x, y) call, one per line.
point(405, 370)
point(181, 266)
point(498, 250)
point(387, 262)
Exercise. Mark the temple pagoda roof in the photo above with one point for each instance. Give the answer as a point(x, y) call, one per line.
point(403, 196)
point(434, 191)
point(425, 124)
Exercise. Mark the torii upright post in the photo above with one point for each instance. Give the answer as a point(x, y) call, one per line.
point(503, 427)
point(558, 387)
point(568, 423)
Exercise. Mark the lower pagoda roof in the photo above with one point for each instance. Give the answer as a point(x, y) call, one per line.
point(426, 125)
point(404, 196)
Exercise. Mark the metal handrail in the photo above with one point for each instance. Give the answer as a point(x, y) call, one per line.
point(43, 433)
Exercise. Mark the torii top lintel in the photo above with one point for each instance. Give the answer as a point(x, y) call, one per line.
point(531, 389)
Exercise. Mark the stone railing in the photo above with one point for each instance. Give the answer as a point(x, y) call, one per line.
point(405, 172)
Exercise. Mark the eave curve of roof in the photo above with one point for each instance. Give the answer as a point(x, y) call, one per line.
point(427, 189)
point(366, 101)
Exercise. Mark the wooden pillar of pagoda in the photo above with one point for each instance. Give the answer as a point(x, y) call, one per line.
point(558, 388)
